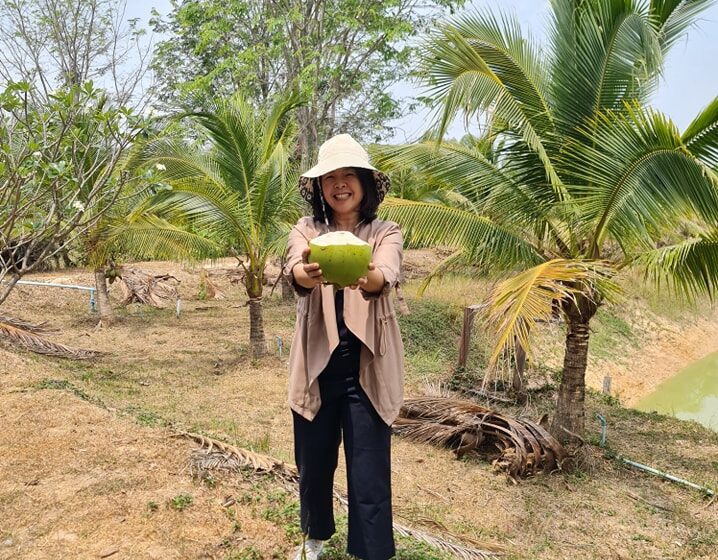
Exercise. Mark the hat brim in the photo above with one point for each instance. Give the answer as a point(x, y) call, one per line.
point(337, 161)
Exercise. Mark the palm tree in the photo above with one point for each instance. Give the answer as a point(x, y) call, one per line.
point(235, 184)
point(131, 229)
point(586, 179)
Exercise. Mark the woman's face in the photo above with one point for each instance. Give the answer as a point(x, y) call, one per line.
point(342, 191)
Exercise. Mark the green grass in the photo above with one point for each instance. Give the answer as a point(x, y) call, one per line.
point(65, 385)
point(609, 332)
point(283, 510)
point(431, 335)
point(406, 549)
point(180, 502)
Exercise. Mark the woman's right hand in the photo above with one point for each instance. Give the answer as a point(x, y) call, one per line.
point(306, 274)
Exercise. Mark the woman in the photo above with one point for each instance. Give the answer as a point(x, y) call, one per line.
point(346, 361)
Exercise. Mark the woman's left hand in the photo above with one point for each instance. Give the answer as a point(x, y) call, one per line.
point(373, 281)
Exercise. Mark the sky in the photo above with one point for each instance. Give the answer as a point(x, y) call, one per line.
point(689, 83)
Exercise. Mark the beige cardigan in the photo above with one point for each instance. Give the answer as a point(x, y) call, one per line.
point(370, 317)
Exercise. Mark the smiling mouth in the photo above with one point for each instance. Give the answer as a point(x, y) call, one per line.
point(342, 196)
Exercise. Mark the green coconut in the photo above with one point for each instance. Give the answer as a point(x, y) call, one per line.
point(342, 257)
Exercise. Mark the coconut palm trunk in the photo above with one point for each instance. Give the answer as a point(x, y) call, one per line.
point(517, 379)
point(103, 298)
point(257, 341)
point(569, 420)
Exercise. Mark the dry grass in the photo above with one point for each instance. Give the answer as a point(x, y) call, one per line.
point(88, 466)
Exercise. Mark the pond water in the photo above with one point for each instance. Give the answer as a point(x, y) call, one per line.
point(691, 394)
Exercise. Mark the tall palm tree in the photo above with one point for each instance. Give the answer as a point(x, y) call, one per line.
point(587, 179)
point(235, 184)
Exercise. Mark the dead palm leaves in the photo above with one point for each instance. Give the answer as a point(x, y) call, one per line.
point(29, 336)
point(217, 455)
point(516, 446)
point(139, 286)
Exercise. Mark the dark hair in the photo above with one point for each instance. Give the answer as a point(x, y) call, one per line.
point(369, 204)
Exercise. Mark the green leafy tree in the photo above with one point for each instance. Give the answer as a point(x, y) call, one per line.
point(60, 172)
point(342, 56)
point(586, 180)
point(236, 185)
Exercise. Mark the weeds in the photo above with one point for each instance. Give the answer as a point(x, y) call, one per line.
point(283, 511)
point(152, 506)
point(248, 553)
point(180, 502)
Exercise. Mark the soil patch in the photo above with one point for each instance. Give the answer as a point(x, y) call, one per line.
point(89, 466)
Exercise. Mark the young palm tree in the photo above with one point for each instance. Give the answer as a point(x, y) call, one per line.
point(236, 184)
point(130, 229)
point(586, 179)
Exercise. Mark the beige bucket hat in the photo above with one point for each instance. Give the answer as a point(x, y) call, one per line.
point(341, 151)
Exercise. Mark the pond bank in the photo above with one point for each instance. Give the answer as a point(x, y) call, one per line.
point(662, 354)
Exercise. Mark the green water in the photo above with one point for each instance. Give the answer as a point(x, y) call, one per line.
point(692, 394)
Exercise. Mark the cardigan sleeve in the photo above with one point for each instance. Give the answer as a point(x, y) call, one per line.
point(387, 257)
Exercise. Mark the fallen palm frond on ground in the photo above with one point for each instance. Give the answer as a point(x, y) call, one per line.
point(27, 335)
point(138, 286)
point(516, 446)
point(216, 455)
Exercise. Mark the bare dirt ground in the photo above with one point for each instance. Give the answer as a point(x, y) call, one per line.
point(90, 467)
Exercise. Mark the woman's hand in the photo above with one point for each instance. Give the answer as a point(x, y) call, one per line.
point(308, 275)
point(373, 282)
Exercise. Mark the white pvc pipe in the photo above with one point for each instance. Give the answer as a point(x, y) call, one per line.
point(93, 304)
point(54, 285)
point(667, 476)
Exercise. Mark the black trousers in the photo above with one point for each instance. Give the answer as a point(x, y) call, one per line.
point(367, 450)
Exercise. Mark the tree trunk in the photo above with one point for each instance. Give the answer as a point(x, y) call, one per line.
point(517, 381)
point(103, 298)
point(287, 290)
point(569, 421)
point(256, 328)
point(253, 283)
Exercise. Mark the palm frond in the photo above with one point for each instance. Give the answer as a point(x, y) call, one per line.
point(635, 173)
point(503, 190)
point(232, 130)
point(673, 18)
point(689, 267)
point(516, 304)
point(35, 328)
point(203, 206)
point(27, 336)
point(489, 244)
point(604, 53)
point(236, 183)
point(217, 455)
point(157, 290)
point(477, 64)
point(180, 161)
point(442, 544)
point(516, 446)
point(150, 236)
point(701, 136)
point(278, 127)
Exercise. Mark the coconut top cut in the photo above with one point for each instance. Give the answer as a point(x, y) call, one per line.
point(338, 238)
